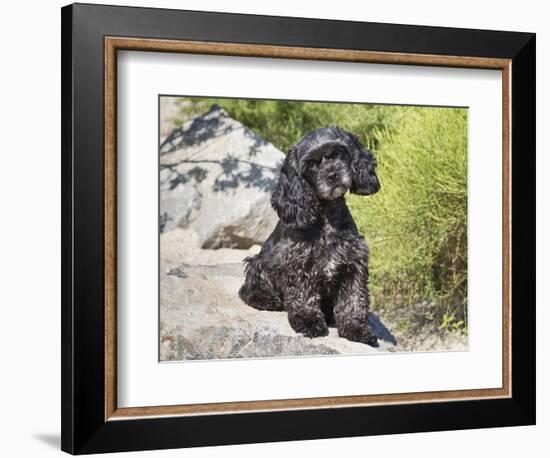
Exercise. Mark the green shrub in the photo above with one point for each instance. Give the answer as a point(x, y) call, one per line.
point(416, 226)
point(284, 123)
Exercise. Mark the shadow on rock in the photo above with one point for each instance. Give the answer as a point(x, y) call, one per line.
point(216, 176)
point(380, 330)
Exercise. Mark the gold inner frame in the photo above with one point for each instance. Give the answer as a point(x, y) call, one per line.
point(114, 44)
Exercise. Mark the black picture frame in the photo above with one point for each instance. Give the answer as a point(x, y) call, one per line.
point(84, 427)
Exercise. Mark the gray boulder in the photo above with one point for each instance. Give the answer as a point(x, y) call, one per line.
point(202, 317)
point(216, 176)
point(169, 109)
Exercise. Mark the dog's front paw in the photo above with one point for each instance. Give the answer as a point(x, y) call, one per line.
point(310, 323)
point(359, 333)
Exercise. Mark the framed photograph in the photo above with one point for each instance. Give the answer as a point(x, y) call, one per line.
point(284, 228)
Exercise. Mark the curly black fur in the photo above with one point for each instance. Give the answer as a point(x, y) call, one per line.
point(315, 263)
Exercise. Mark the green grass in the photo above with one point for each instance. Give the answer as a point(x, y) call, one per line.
point(416, 226)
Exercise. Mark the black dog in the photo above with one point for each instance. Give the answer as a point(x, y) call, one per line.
point(315, 263)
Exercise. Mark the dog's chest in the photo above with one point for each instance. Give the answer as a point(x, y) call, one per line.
point(332, 252)
point(339, 245)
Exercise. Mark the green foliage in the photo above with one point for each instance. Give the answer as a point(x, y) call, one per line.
point(416, 226)
point(284, 123)
point(449, 322)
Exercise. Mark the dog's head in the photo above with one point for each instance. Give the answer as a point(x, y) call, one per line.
point(323, 166)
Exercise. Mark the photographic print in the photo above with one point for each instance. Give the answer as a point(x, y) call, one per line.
point(297, 228)
point(250, 206)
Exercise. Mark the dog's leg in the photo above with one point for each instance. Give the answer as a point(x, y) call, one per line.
point(305, 314)
point(258, 290)
point(351, 309)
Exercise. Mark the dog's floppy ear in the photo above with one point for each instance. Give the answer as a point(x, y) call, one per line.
point(293, 198)
point(363, 172)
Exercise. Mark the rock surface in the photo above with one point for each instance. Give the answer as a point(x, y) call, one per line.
point(216, 175)
point(202, 316)
point(169, 108)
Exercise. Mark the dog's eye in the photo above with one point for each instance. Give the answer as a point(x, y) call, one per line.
point(313, 164)
point(310, 165)
point(314, 160)
point(337, 153)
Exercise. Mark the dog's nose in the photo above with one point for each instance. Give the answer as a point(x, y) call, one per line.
point(332, 176)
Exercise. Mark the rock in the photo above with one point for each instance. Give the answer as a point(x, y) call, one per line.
point(216, 176)
point(202, 317)
point(169, 108)
point(180, 246)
